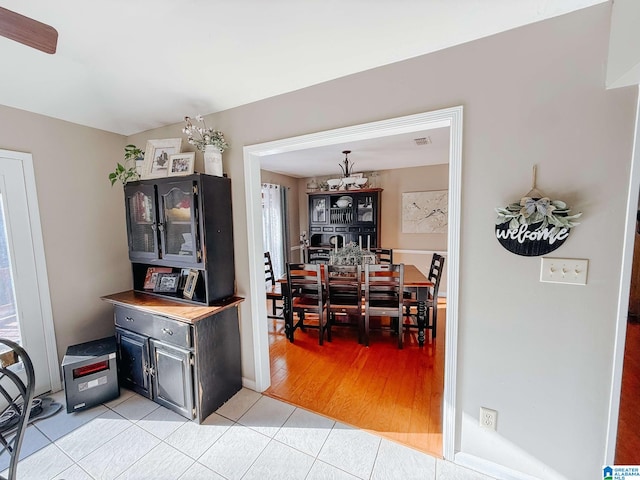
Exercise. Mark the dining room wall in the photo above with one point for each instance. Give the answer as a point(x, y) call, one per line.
point(540, 354)
point(413, 248)
point(394, 183)
point(404, 180)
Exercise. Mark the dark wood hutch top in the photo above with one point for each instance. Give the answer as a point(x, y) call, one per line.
point(182, 312)
point(345, 192)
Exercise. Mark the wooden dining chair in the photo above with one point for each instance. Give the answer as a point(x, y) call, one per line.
point(344, 297)
point(306, 295)
point(383, 291)
point(318, 255)
point(383, 255)
point(274, 290)
point(430, 316)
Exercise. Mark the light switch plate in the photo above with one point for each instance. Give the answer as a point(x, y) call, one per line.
point(564, 270)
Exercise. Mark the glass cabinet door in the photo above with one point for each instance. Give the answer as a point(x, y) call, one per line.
point(364, 209)
point(178, 231)
point(319, 210)
point(141, 222)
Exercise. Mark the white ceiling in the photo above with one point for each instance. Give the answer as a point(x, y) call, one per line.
point(395, 151)
point(128, 66)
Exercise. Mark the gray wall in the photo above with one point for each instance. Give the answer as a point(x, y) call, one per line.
point(541, 354)
point(82, 219)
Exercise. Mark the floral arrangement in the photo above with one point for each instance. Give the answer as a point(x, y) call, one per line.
point(537, 210)
point(203, 136)
point(352, 254)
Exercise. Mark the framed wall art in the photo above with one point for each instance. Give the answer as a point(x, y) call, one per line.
point(425, 212)
point(156, 156)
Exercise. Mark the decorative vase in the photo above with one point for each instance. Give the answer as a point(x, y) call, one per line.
point(212, 160)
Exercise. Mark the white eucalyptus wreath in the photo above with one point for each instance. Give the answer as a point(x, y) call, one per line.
point(537, 210)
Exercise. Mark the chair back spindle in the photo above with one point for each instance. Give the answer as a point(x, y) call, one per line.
point(383, 290)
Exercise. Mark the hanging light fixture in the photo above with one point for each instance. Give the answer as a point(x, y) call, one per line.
point(346, 169)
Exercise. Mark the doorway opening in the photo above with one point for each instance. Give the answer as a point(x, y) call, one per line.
point(452, 118)
point(25, 283)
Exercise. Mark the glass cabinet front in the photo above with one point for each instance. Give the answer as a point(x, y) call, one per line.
point(319, 210)
point(178, 226)
point(364, 209)
point(141, 222)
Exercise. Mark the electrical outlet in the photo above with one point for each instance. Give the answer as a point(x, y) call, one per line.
point(564, 270)
point(488, 418)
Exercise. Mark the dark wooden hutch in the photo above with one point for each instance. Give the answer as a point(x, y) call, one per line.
point(180, 350)
point(345, 216)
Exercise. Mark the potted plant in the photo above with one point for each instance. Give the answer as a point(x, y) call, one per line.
point(128, 171)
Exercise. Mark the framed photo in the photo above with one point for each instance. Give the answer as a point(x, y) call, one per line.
point(181, 164)
point(190, 284)
point(151, 278)
point(167, 282)
point(156, 156)
point(184, 273)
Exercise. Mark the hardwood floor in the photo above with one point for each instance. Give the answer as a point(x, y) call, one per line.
point(628, 441)
point(394, 393)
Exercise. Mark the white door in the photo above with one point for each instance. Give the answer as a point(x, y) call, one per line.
point(25, 307)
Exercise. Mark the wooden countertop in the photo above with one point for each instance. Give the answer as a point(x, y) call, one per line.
point(183, 312)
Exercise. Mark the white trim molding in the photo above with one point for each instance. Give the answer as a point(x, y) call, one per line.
point(42, 293)
point(623, 296)
point(448, 117)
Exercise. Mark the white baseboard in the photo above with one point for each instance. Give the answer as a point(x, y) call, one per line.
point(250, 384)
point(490, 468)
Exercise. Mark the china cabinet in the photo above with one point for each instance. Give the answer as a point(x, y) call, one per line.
point(341, 217)
point(182, 223)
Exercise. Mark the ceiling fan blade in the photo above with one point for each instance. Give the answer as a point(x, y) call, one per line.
point(27, 31)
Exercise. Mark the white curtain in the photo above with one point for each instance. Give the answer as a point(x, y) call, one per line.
point(274, 230)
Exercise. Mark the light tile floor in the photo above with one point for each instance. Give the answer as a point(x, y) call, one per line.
point(250, 437)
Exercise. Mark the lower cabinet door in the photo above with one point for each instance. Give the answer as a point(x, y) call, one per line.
point(133, 364)
point(172, 378)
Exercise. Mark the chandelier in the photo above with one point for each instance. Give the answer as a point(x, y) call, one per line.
point(347, 169)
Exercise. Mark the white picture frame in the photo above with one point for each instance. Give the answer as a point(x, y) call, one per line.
point(156, 156)
point(181, 164)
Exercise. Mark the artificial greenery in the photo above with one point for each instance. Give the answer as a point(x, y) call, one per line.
point(127, 172)
point(537, 210)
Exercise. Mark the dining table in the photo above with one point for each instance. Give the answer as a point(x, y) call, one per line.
point(416, 284)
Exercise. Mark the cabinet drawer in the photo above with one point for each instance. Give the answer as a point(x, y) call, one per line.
point(134, 320)
point(172, 331)
point(161, 328)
